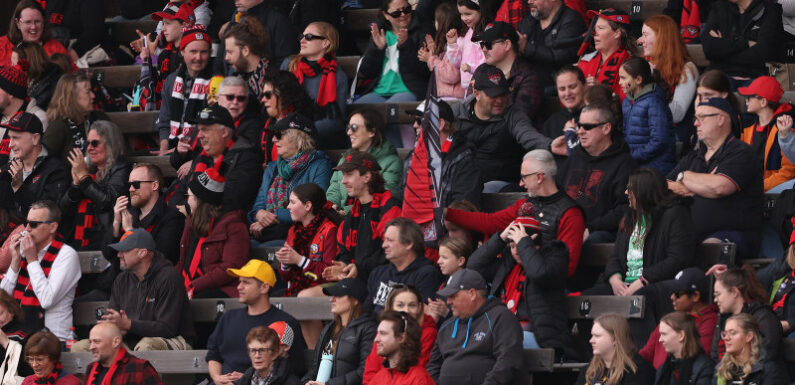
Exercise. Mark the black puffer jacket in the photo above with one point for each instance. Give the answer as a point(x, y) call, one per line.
point(668, 247)
point(279, 375)
point(354, 345)
point(771, 279)
point(700, 369)
point(543, 299)
point(769, 325)
point(414, 73)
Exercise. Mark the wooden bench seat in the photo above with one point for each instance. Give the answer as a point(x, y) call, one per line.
point(165, 362)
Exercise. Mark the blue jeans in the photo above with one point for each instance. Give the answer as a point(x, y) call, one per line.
point(372, 97)
point(780, 188)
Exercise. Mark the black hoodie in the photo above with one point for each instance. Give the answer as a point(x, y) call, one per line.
point(421, 273)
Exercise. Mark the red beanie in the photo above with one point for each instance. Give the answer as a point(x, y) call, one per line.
point(193, 33)
point(14, 81)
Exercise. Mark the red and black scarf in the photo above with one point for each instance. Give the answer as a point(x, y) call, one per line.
point(51, 378)
point(327, 93)
point(304, 234)
point(84, 220)
point(513, 288)
point(23, 291)
point(204, 159)
point(92, 375)
point(379, 200)
point(192, 268)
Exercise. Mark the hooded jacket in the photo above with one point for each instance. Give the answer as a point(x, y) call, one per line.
point(763, 139)
point(279, 375)
point(597, 184)
point(700, 369)
point(648, 128)
point(769, 326)
point(420, 273)
point(556, 45)
point(391, 170)
point(353, 346)
point(485, 348)
point(772, 279)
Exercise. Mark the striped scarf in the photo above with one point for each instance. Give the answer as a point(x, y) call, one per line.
point(279, 192)
point(182, 111)
point(84, 220)
point(23, 291)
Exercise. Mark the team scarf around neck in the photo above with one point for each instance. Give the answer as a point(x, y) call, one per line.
point(181, 110)
point(327, 65)
point(514, 287)
point(78, 134)
point(84, 220)
point(23, 291)
point(379, 200)
point(286, 169)
point(256, 79)
point(204, 159)
point(51, 378)
point(92, 376)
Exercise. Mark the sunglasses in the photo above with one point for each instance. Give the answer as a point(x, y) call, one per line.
point(399, 12)
point(310, 37)
point(94, 143)
point(269, 94)
point(278, 135)
point(353, 127)
point(240, 98)
point(489, 44)
point(35, 224)
point(589, 126)
point(136, 184)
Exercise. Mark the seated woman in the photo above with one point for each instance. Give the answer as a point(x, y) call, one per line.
point(298, 163)
point(745, 361)
point(715, 84)
point(390, 60)
point(738, 291)
point(614, 359)
point(12, 319)
point(779, 278)
point(267, 366)
point(43, 74)
point(281, 95)
point(70, 114)
point(317, 70)
point(409, 300)
point(43, 352)
point(311, 244)
point(212, 241)
point(686, 362)
point(346, 340)
point(365, 129)
point(28, 24)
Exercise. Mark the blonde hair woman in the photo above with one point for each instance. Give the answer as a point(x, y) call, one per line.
point(71, 112)
point(744, 361)
point(614, 361)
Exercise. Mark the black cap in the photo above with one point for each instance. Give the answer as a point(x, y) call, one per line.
point(445, 111)
point(490, 80)
point(719, 103)
point(351, 287)
point(359, 160)
point(136, 238)
point(24, 122)
point(296, 121)
point(496, 31)
point(690, 280)
point(215, 114)
point(463, 279)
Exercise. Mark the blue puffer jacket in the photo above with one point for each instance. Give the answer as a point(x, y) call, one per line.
point(318, 172)
point(648, 128)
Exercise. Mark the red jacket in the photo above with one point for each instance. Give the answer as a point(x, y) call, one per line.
point(706, 320)
point(131, 371)
point(375, 363)
point(606, 72)
point(323, 249)
point(417, 375)
point(51, 46)
point(68, 379)
point(227, 246)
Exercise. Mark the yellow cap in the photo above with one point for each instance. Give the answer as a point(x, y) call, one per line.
point(255, 268)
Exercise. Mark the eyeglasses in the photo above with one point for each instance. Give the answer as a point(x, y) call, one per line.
point(489, 44)
point(269, 94)
point(230, 97)
point(28, 23)
point(701, 118)
point(35, 224)
point(530, 174)
point(94, 143)
point(589, 126)
point(728, 334)
point(36, 359)
point(136, 184)
point(256, 351)
point(310, 37)
point(405, 11)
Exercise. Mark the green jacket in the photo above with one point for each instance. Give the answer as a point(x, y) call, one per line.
point(391, 169)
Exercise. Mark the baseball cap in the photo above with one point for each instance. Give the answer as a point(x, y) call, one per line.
point(463, 279)
point(351, 287)
point(295, 121)
point(257, 269)
point(359, 160)
point(490, 80)
point(214, 114)
point(176, 11)
point(24, 122)
point(136, 238)
point(285, 332)
point(496, 31)
point(766, 87)
point(691, 279)
point(445, 111)
point(719, 103)
point(611, 14)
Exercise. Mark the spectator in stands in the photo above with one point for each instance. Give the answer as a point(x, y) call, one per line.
point(613, 44)
point(570, 86)
point(647, 119)
point(43, 351)
point(245, 44)
point(46, 299)
point(463, 53)
point(298, 163)
point(317, 70)
point(715, 83)
point(597, 171)
point(42, 74)
point(32, 174)
point(549, 38)
point(13, 100)
point(390, 60)
point(498, 129)
point(499, 42)
point(12, 359)
point(71, 113)
point(11, 322)
point(408, 300)
point(282, 94)
point(462, 358)
point(311, 244)
point(614, 359)
point(745, 361)
point(723, 176)
point(214, 239)
point(434, 52)
point(145, 207)
point(185, 90)
point(404, 248)
point(786, 141)
point(365, 130)
point(28, 24)
point(81, 24)
point(453, 255)
point(347, 339)
point(690, 295)
point(779, 279)
point(740, 36)
point(96, 184)
point(397, 342)
point(11, 222)
point(233, 95)
point(113, 360)
point(686, 360)
point(280, 32)
point(763, 99)
point(263, 348)
point(286, 337)
point(739, 291)
point(226, 353)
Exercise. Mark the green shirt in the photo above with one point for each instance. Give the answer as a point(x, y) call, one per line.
point(635, 252)
point(391, 83)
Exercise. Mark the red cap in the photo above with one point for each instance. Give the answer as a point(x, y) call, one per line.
point(766, 87)
point(176, 11)
point(611, 14)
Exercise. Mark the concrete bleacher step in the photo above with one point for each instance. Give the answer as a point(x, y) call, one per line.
point(165, 362)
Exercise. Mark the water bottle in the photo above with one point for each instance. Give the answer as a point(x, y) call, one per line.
point(71, 338)
point(324, 370)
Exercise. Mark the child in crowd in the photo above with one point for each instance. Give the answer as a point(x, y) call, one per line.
point(434, 53)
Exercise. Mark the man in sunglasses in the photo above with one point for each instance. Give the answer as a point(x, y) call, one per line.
point(233, 94)
point(597, 171)
point(245, 51)
point(32, 174)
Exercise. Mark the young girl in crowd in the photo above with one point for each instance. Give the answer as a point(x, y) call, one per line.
point(647, 118)
point(453, 255)
point(686, 362)
point(745, 362)
point(614, 359)
point(448, 76)
point(461, 51)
